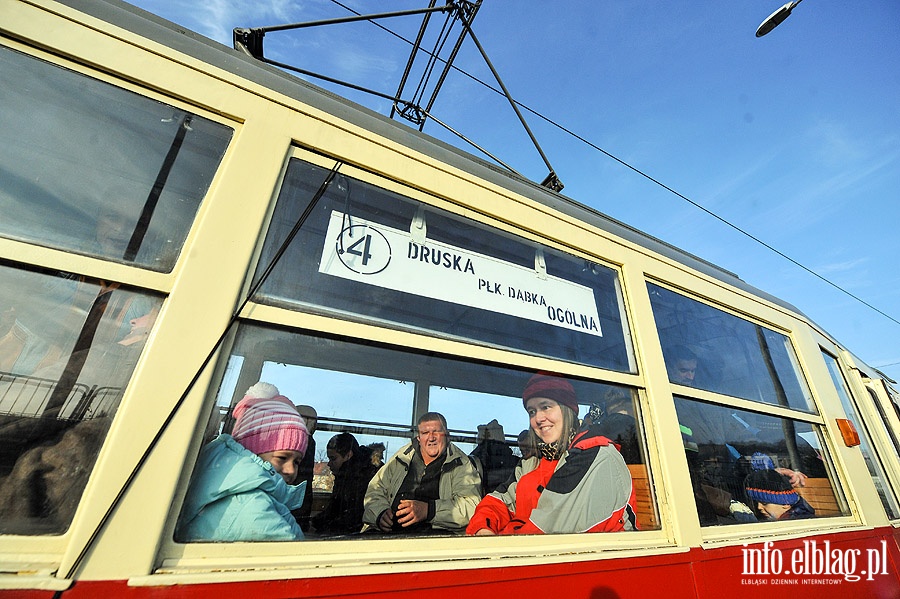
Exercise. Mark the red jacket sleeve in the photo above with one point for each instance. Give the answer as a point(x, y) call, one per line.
point(491, 513)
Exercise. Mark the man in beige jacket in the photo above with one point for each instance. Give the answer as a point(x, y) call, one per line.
point(430, 484)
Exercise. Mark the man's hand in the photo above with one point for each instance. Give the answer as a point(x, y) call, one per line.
point(797, 478)
point(484, 532)
point(410, 511)
point(386, 521)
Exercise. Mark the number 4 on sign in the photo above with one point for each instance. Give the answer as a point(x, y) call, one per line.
point(354, 250)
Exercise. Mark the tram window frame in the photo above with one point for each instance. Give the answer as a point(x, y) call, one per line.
point(677, 313)
point(890, 418)
point(149, 273)
point(69, 347)
point(334, 353)
point(140, 216)
point(471, 320)
point(868, 446)
point(725, 444)
point(826, 491)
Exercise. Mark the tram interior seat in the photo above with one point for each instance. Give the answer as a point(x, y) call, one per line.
point(646, 512)
point(819, 494)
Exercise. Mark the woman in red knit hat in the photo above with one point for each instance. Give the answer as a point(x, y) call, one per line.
point(578, 482)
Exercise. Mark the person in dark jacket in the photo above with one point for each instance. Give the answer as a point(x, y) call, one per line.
point(494, 457)
point(616, 422)
point(775, 497)
point(352, 467)
point(526, 446)
point(311, 417)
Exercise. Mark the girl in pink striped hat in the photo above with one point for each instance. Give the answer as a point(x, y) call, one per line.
point(242, 488)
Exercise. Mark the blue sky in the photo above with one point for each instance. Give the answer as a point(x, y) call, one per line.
point(793, 137)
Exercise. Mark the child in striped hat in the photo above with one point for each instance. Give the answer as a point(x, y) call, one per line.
point(775, 498)
point(269, 425)
point(242, 488)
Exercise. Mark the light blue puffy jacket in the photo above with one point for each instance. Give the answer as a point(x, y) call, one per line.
point(237, 496)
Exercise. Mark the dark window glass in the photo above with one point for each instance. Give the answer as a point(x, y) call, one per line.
point(730, 450)
point(366, 252)
point(891, 397)
point(90, 168)
point(68, 347)
point(713, 350)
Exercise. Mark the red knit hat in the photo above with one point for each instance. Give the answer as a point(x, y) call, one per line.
point(265, 421)
point(552, 386)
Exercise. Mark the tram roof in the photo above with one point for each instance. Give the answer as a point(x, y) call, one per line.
point(151, 26)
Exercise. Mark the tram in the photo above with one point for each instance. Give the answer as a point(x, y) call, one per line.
point(181, 222)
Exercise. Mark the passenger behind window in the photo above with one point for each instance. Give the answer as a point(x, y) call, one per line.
point(430, 484)
point(721, 447)
point(527, 449)
point(353, 468)
point(114, 228)
point(775, 496)
point(71, 343)
point(40, 331)
point(615, 421)
point(681, 364)
point(579, 482)
point(307, 465)
point(49, 313)
point(377, 450)
point(243, 484)
point(493, 456)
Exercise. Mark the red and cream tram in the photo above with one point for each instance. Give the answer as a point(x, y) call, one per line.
point(181, 221)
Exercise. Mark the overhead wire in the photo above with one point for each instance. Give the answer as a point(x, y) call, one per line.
point(650, 178)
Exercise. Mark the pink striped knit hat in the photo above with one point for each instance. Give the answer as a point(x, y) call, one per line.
point(266, 421)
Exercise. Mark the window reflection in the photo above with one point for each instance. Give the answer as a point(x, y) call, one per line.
point(68, 347)
point(709, 349)
point(725, 446)
point(94, 169)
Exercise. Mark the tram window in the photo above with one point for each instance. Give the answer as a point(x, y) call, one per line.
point(895, 397)
point(91, 168)
point(884, 422)
point(710, 349)
point(376, 393)
point(724, 446)
point(884, 413)
point(873, 464)
point(68, 347)
point(369, 252)
point(893, 400)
